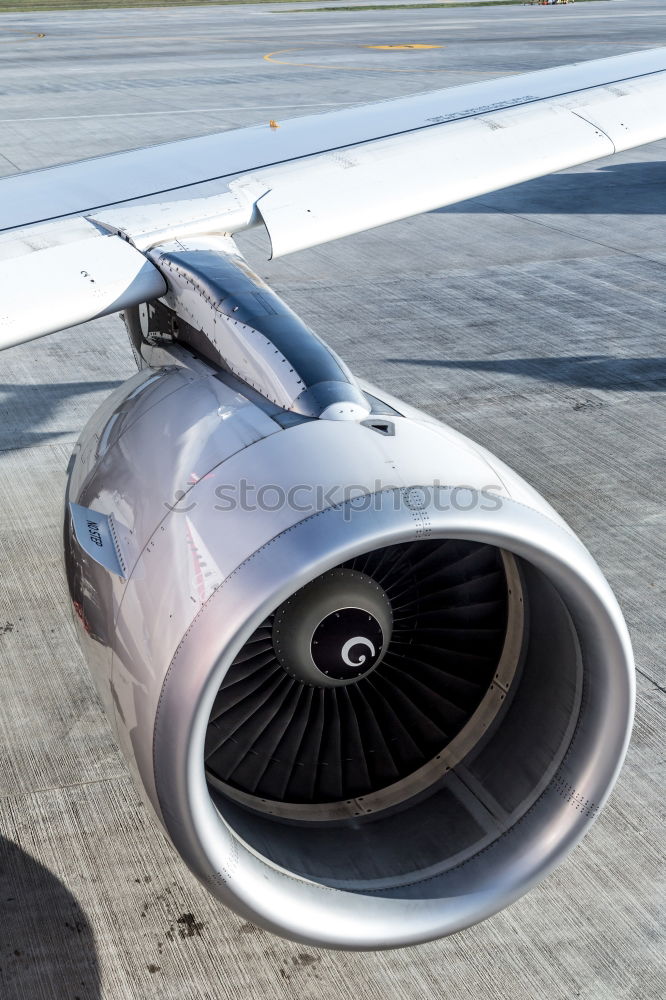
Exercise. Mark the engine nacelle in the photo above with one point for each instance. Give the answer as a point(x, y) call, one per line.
point(370, 683)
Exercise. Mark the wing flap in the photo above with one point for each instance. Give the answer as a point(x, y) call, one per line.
point(632, 115)
point(62, 284)
point(337, 194)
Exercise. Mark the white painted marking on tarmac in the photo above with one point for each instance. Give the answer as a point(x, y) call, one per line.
point(182, 111)
point(439, 24)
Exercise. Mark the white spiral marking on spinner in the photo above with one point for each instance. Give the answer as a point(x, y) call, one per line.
point(358, 640)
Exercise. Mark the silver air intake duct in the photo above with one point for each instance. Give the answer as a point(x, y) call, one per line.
point(365, 717)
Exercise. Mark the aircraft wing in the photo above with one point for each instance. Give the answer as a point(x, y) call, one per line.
point(74, 239)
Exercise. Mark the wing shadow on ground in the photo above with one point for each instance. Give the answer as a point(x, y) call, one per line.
point(619, 189)
point(587, 371)
point(25, 408)
point(47, 947)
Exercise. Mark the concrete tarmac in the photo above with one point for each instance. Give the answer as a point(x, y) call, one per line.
point(531, 319)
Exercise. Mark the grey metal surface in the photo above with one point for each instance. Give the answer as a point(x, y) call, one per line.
point(227, 313)
point(531, 320)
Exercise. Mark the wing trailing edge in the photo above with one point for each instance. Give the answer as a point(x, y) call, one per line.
point(57, 274)
point(202, 166)
point(337, 194)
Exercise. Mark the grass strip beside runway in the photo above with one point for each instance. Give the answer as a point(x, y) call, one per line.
point(12, 7)
point(423, 6)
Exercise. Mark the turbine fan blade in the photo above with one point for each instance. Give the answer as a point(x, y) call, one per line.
point(274, 737)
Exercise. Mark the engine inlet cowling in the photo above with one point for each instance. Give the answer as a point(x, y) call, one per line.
point(364, 723)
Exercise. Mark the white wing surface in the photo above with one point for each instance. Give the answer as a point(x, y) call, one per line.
point(59, 275)
point(336, 194)
point(311, 180)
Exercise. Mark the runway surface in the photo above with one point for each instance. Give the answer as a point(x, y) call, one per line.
point(531, 320)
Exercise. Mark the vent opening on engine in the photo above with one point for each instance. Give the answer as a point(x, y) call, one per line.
point(385, 427)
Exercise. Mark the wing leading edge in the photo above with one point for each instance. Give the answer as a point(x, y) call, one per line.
point(354, 170)
point(195, 167)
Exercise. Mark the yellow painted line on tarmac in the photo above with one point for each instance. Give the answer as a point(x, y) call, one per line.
point(393, 48)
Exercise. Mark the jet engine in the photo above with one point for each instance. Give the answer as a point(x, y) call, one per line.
point(370, 683)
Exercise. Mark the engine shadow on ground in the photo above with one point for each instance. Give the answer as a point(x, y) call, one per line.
point(619, 189)
point(25, 408)
point(587, 371)
point(47, 947)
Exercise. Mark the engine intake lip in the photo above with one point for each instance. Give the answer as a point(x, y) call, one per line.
point(395, 911)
